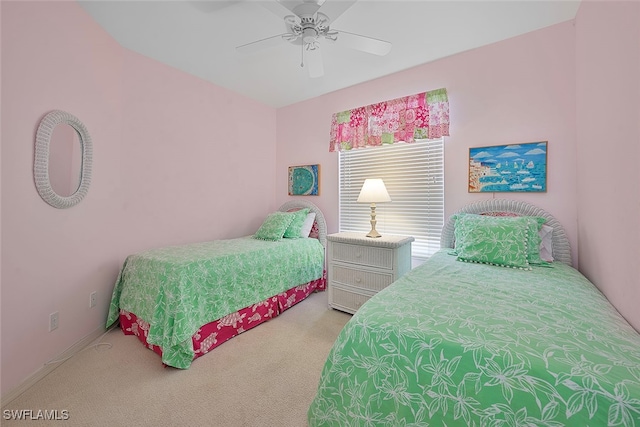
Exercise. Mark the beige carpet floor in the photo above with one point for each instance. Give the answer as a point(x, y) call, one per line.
point(266, 376)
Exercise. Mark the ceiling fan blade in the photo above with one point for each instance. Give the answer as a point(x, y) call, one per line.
point(363, 43)
point(315, 67)
point(261, 44)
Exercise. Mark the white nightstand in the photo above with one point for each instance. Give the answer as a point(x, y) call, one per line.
point(360, 266)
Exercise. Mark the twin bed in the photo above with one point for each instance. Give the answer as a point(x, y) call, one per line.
point(493, 341)
point(184, 301)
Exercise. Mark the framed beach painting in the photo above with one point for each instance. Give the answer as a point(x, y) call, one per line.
point(304, 180)
point(508, 168)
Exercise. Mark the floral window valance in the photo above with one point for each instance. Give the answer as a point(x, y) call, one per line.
point(420, 116)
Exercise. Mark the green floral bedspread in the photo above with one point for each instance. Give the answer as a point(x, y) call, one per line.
point(180, 288)
point(458, 344)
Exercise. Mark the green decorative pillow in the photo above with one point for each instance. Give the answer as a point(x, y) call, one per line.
point(500, 241)
point(274, 226)
point(294, 230)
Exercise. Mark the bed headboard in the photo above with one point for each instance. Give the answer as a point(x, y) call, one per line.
point(561, 246)
point(320, 221)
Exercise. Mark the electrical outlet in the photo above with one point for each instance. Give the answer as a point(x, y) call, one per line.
point(92, 299)
point(53, 321)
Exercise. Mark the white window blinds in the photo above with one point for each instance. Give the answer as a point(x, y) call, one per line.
point(414, 176)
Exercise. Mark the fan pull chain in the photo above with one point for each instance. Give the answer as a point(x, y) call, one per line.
point(302, 55)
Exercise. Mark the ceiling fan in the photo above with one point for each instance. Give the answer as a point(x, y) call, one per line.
point(308, 26)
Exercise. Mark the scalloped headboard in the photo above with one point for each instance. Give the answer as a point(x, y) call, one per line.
point(320, 221)
point(561, 246)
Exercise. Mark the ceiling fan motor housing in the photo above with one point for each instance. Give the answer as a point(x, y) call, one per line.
point(309, 27)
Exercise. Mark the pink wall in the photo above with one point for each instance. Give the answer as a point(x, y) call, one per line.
point(201, 167)
point(608, 118)
point(518, 90)
point(174, 161)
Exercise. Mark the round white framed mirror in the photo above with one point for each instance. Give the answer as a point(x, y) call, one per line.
point(68, 135)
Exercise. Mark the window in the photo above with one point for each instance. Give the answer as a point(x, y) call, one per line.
point(414, 176)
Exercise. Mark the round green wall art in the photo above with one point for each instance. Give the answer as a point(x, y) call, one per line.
point(303, 180)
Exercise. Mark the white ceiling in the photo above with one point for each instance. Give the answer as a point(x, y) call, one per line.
point(200, 38)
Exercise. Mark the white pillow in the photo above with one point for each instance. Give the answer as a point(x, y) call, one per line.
point(308, 224)
point(546, 243)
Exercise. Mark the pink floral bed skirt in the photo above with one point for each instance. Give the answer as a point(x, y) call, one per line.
point(213, 334)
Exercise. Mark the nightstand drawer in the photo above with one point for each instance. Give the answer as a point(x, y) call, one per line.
point(362, 255)
point(361, 278)
point(343, 299)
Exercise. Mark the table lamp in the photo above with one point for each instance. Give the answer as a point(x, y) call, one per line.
point(373, 191)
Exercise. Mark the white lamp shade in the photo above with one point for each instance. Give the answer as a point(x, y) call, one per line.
point(373, 191)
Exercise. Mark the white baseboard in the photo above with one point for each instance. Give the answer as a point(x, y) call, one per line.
point(50, 367)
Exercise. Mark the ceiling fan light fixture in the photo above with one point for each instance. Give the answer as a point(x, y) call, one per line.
point(309, 35)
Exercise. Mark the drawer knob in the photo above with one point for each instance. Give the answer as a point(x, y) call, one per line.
point(358, 254)
point(358, 280)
